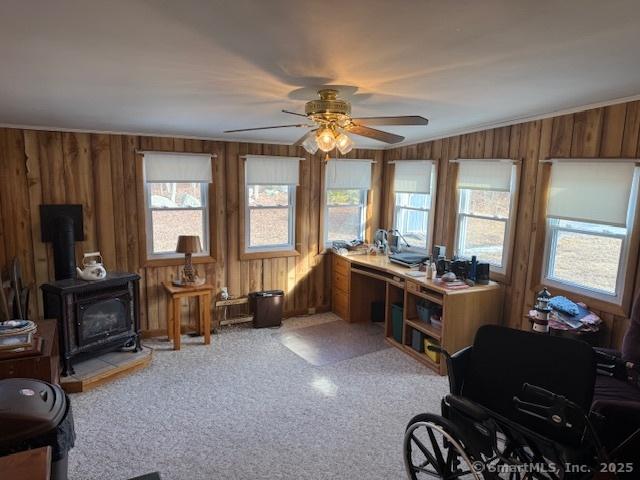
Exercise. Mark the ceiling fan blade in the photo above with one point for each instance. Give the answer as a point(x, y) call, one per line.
point(375, 134)
point(294, 113)
point(402, 120)
point(304, 137)
point(267, 128)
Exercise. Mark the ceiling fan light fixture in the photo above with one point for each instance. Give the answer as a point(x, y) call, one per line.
point(310, 145)
point(326, 139)
point(344, 144)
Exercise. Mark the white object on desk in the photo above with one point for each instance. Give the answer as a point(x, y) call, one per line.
point(416, 273)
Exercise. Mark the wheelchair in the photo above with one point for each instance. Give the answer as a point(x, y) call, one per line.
point(519, 408)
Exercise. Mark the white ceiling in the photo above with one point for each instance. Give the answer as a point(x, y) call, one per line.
point(197, 67)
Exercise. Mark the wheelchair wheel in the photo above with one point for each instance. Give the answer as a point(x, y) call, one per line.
point(435, 448)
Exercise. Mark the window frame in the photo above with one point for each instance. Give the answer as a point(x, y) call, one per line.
point(619, 298)
point(205, 209)
point(509, 232)
point(363, 206)
point(430, 210)
point(291, 208)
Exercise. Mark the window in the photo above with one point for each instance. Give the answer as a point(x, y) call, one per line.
point(176, 201)
point(590, 214)
point(414, 187)
point(486, 193)
point(345, 214)
point(270, 203)
point(270, 219)
point(176, 209)
point(346, 186)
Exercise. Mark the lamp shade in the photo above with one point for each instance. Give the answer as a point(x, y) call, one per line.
point(189, 244)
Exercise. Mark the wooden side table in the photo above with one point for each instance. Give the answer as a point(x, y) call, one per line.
point(176, 294)
point(44, 365)
point(27, 465)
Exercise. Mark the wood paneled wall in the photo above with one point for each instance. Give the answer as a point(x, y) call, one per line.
point(99, 171)
point(602, 132)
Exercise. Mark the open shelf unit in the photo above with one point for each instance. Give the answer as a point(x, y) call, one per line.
point(359, 282)
point(415, 295)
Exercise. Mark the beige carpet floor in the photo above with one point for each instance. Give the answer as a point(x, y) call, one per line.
point(247, 407)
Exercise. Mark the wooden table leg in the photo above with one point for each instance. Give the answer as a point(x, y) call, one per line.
point(176, 323)
point(206, 318)
point(170, 318)
point(199, 305)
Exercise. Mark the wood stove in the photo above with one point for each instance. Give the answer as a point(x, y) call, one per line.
point(94, 317)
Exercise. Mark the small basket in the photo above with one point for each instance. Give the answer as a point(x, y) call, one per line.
point(424, 312)
point(435, 356)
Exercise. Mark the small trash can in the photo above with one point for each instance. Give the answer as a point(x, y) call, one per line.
point(36, 414)
point(267, 308)
point(377, 311)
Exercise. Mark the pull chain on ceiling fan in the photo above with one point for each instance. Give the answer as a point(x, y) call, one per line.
point(330, 120)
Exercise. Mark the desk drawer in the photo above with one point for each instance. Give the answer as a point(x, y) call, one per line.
point(341, 281)
point(340, 265)
point(340, 304)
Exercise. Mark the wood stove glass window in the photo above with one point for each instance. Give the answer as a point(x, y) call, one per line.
point(177, 201)
point(102, 318)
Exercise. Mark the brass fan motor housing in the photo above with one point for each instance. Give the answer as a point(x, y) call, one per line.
point(328, 107)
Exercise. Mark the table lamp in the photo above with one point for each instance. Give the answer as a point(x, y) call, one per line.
point(188, 244)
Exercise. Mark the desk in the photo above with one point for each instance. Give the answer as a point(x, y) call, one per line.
point(203, 293)
point(360, 280)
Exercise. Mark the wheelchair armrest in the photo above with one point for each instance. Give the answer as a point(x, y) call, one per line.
point(467, 407)
point(549, 407)
point(610, 364)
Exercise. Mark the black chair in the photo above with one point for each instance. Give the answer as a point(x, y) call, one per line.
point(519, 407)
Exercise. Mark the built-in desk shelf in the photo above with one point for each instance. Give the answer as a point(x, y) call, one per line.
point(426, 328)
point(362, 282)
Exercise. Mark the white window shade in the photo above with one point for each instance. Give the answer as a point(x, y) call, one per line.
point(412, 176)
point(485, 175)
point(172, 167)
point(348, 174)
point(595, 192)
point(269, 170)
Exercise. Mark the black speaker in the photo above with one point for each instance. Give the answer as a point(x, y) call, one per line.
point(482, 274)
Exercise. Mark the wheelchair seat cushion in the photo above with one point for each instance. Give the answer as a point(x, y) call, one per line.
point(614, 389)
point(503, 359)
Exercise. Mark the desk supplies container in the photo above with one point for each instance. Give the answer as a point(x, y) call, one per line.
point(423, 309)
point(417, 341)
point(435, 356)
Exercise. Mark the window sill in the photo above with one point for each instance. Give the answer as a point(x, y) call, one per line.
point(268, 254)
point(174, 261)
point(499, 277)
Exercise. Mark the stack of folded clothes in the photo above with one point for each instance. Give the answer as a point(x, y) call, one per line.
point(571, 315)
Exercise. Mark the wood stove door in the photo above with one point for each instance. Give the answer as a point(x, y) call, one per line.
point(102, 317)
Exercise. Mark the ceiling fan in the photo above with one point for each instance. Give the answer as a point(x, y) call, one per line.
point(330, 120)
